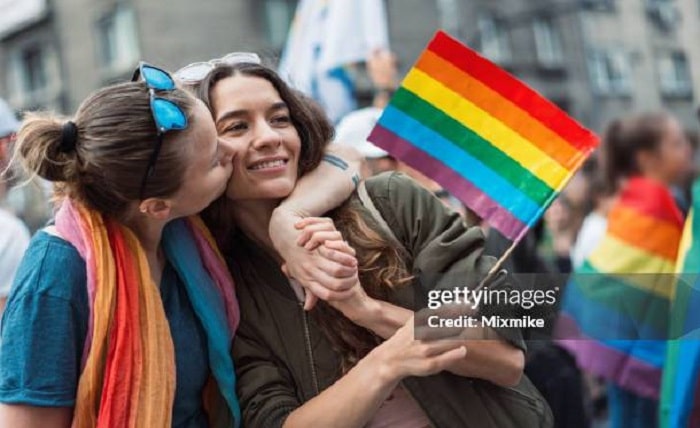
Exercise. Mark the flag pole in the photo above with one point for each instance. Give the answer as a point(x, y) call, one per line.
point(498, 265)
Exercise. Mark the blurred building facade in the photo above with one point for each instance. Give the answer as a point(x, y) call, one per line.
point(595, 58)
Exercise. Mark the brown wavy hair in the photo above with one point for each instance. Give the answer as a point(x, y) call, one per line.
point(382, 266)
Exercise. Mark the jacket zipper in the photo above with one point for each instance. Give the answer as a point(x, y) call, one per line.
point(307, 337)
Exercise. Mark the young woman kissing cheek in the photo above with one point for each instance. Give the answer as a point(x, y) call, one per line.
point(254, 122)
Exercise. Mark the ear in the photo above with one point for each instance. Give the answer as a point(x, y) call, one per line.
point(157, 208)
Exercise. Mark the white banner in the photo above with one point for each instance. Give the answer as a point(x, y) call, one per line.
point(325, 36)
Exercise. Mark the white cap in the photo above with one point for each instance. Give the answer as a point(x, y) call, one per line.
point(8, 121)
point(355, 127)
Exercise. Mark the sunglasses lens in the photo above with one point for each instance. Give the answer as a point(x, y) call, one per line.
point(193, 72)
point(168, 115)
point(157, 78)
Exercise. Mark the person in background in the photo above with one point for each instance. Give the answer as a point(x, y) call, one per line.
point(25, 197)
point(628, 276)
point(14, 236)
point(353, 130)
point(594, 224)
point(382, 71)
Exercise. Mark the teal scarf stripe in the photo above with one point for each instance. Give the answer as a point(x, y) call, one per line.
point(181, 249)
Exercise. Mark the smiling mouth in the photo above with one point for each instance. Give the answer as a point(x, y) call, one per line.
point(268, 165)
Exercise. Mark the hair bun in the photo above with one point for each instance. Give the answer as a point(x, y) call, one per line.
point(69, 137)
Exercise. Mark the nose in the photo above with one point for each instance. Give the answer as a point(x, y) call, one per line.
point(265, 136)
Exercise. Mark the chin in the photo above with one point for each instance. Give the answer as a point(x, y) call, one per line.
point(280, 192)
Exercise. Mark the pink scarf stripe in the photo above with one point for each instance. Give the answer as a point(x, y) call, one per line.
point(216, 265)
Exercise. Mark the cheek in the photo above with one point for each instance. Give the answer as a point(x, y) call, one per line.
point(680, 155)
point(233, 146)
point(294, 142)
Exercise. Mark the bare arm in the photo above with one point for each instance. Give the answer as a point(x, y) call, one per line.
point(357, 396)
point(365, 383)
point(20, 416)
point(494, 359)
point(322, 189)
point(316, 193)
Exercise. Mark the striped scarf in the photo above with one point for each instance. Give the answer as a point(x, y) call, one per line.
point(620, 297)
point(128, 376)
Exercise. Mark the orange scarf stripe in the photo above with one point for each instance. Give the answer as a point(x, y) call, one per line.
point(90, 383)
point(129, 375)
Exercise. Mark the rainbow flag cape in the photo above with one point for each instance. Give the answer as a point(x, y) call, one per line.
point(497, 145)
point(615, 310)
point(680, 393)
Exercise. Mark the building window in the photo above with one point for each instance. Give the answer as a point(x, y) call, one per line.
point(278, 15)
point(117, 40)
point(548, 43)
point(601, 5)
point(449, 16)
point(493, 39)
point(663, 13)
point(33, 75)
point(674, 74)
point(610, 72)
point(33, 64)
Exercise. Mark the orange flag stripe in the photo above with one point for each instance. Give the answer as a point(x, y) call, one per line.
point(501, 108)
point(645, 232)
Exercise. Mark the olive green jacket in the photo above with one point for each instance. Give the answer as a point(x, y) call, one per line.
point(283, 360)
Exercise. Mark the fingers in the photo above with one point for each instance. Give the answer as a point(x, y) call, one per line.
point(447, 359)
point(342, 246)
point(422, 358)
point(340, 257)
point(309, 301)
point(435, 348)
point(312, 225)
point(325, 293)
point(325, 271)
point(311, 220)
point(320, 237)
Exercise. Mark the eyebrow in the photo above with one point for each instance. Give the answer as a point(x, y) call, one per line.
point(278, 106)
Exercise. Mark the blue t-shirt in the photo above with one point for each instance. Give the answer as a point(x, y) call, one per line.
point(45, 323)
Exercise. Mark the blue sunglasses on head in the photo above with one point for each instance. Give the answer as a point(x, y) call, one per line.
point(167, 115)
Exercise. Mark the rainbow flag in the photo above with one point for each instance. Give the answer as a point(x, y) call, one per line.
point(497, 145)
point(680, 393)
point(615, 310)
